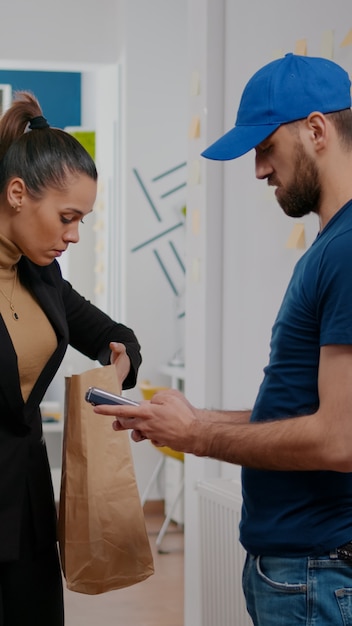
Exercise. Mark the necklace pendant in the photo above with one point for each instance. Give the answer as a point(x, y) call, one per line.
point(14, 314)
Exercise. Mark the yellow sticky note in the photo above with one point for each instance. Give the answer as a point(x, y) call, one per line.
point(347, 40)
point(297, 237)
point(194, 173)
point(99, 205)
point(99, 288)
point(195, 84)
point(194, 129)
point(99, 268)
point(301, 47)
point(327, 44)
point(99, 225)
point(100, 245)
point(196, 221)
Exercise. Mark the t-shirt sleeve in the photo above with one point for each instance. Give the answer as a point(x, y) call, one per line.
point(334, 292)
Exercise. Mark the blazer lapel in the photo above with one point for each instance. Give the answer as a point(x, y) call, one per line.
point(10, 390)
point(48, 298)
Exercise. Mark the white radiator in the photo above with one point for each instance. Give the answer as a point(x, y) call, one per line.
point(222, 556)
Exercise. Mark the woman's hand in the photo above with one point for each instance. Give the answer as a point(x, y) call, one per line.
point(120, 359)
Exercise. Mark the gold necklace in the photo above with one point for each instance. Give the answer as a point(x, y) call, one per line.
point(9, 300)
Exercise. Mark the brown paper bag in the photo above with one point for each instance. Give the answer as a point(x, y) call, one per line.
point(102, 535)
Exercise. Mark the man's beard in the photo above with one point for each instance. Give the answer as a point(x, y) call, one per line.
point(302, 195)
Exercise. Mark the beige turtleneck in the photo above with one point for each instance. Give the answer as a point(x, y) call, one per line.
point(32, 335)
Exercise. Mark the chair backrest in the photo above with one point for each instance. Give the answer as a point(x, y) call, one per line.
point(149, 390)
point(170, 452)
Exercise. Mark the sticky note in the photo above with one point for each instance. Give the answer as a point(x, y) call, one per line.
point(195, 84)
point(100, 245)
point(99, 268)
point(99, 288)
point(196, 221)
point(347, 40)
point(194, 129)
point(99, 225)
point(301, 47)
point(327, 44)
point(297, 237)
point(99, 205)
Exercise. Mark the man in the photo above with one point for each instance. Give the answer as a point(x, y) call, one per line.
point(295, 446)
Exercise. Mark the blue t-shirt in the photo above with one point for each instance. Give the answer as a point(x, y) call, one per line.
point(303, 513)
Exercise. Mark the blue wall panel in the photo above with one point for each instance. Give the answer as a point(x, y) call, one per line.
point(59, 93)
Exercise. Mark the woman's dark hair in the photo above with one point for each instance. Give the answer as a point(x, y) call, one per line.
point(42, 157)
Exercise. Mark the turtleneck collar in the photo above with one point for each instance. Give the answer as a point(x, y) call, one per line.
point(10, 254)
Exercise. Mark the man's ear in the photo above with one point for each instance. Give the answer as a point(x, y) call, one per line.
point(16, 189)
point(318, 128)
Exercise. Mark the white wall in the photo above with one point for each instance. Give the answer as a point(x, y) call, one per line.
point(141, 49)
point(155, 141)
point(80, 36)
point(83, 31)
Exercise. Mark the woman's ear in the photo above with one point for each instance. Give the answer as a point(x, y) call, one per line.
point(16, 189)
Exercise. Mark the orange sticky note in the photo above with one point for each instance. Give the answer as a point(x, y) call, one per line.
point(196, 221)
point(347, 40)
point(301, 47)
point(297, 237)
point(194, 129)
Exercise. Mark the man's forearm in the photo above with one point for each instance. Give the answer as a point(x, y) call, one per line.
point(254, 445)
point(289, 444)
point(223, 417)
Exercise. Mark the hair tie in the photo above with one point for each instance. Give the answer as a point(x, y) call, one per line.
point(38, 122)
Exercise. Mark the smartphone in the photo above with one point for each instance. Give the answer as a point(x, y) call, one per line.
point(100, 396)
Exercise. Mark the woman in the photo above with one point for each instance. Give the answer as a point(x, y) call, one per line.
point(47, 186)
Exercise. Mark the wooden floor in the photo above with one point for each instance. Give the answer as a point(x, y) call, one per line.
point(157, 601)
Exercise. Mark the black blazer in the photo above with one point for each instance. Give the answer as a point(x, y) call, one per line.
point(24, 468)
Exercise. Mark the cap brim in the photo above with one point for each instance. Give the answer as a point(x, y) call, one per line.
point(238, 141)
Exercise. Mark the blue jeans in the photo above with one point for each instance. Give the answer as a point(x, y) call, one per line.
point(304, 591)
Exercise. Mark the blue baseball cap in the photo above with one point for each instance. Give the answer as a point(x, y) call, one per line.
point(285, 90)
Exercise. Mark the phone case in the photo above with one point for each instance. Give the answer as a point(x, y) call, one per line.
point(94, 395)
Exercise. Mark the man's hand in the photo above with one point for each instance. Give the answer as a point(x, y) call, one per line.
point(167, 419)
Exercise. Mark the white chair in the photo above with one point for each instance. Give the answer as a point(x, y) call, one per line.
point(147, 392)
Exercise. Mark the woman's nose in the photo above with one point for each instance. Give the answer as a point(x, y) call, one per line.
point(72, 235)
